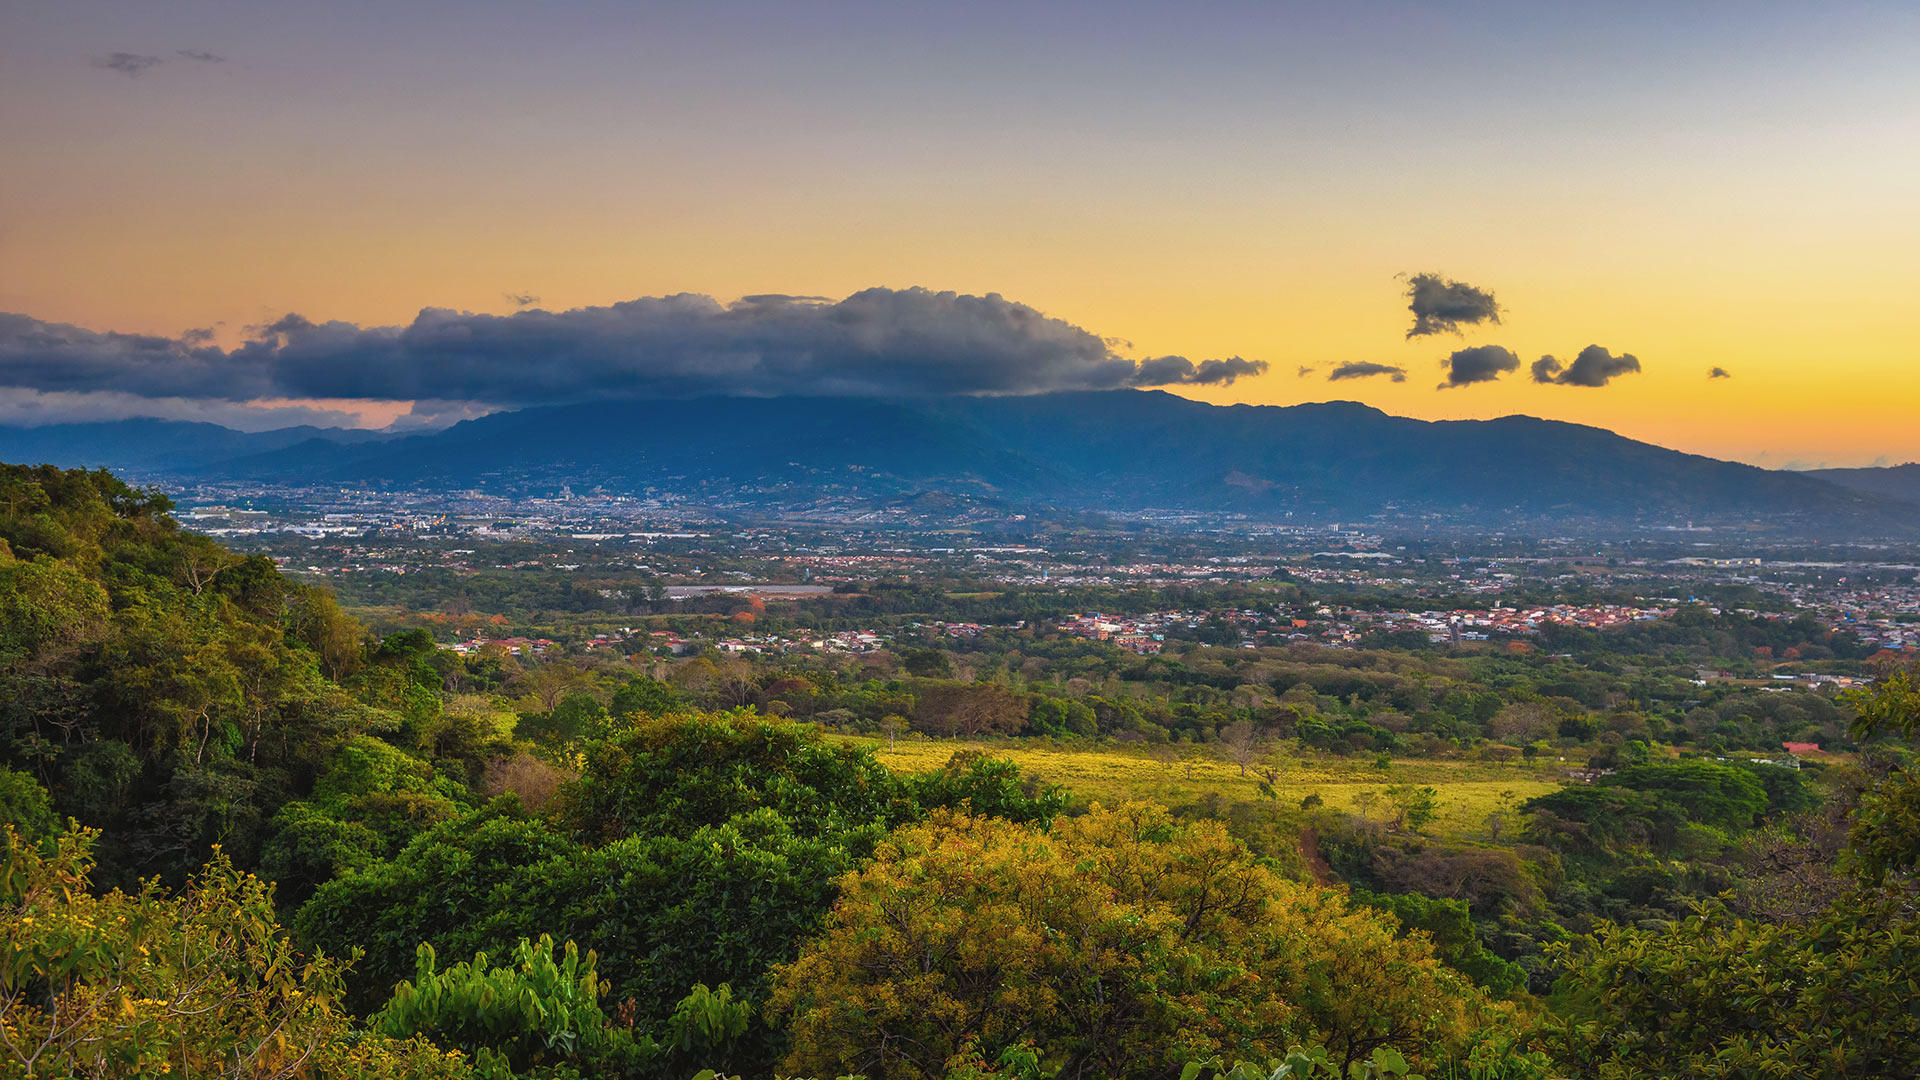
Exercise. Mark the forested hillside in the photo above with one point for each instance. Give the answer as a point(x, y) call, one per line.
point(246, 838)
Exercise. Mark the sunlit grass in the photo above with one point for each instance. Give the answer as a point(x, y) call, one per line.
point(1469, 791)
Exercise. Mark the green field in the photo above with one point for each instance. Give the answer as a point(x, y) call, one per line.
point(1469, 790)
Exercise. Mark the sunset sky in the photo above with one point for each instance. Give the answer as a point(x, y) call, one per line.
point(1732, 186)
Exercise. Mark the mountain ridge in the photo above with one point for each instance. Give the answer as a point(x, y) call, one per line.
point(1890, 481)
point(1112, 451)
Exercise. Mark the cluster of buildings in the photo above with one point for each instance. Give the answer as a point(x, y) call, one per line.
point(515, 646)
point(1148, 633)
point(845, 641)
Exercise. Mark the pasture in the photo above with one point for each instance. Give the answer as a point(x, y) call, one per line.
point(1469, 791)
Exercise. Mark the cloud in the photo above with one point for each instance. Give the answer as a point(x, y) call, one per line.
point(1441, 305)
point(1594, 366)
point(201, 55)
point(1221, 372)
point(34, 408)
point(1305, 370)
point(58, 358)
point(876, 343)
point(132, 65)
point(521, 299)
point(1180, 371)
point(1362, 369)
point(1481, 363)
point(1719, 373)
point(434, 415)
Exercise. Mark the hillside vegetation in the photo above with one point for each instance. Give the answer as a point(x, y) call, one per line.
point(244, 837)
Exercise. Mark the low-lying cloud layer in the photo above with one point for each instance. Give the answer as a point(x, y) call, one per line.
point(1481, 363)
point(1362, 369)
point(1594, 366)
point(876, 343)
point(1441, 305)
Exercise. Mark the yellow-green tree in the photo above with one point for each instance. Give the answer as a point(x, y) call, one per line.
point(1116, 944)
point(199, 984)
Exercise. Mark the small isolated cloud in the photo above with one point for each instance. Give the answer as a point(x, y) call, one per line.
point(202, 55)
point(1481, 363)
point(1594, 366)
point(132, 65)
point(1442, 305)
point(1365, 369)
point(1305, 370)
point(521, 299)
point(1719, 373)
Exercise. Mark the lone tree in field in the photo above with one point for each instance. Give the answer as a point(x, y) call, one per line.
point(1240, 743)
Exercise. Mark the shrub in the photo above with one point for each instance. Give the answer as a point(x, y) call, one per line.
point(532, 1011)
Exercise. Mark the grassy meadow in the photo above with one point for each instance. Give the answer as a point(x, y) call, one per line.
point(1469, 791)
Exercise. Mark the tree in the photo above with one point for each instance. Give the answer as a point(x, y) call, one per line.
point(1115, 944)
point(644, 695)
point(24, 805)
point(202, 983)
point(979, 784)
point(1413, 806)
point(578, 715)
point(1455, 940)
point(1241, 743)
point(1717, 996)
point(1058, 716)
point(969, 710)
point(1524, 721)
point(1884, 839)
point(734, 682)
point(1699, 792)
point(671, 775)
point(551, 683)
point(927, 663)
point(1595, 819)
point(661, 913)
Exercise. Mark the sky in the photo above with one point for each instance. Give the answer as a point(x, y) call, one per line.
point(263, 213)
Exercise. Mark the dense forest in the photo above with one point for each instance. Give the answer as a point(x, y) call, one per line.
point(247, 837)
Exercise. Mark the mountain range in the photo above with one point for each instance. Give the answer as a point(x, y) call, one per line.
point(1109, 451)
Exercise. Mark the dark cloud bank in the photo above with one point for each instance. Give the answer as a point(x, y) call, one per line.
point(1594, 366)
point(1441, 305)
point(876, 343)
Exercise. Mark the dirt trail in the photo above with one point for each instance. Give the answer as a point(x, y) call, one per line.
point(1316, 863)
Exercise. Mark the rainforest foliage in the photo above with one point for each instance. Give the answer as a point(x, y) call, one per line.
point(244, 837)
